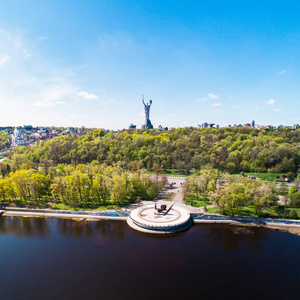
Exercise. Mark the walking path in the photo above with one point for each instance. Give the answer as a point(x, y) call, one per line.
point(174, 185)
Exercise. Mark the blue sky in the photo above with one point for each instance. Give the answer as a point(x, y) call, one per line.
point(88, 63)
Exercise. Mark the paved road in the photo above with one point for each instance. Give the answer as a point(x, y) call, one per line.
point(174, 185)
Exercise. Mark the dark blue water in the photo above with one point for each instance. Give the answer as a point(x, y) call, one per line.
point(65, 259)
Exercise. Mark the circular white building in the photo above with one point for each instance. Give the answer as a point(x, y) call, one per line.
point(151, 219)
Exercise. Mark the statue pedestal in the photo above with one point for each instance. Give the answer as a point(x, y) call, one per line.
point(148, 125)
point(145, 219)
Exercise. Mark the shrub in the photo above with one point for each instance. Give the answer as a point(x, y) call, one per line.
point(293, 214)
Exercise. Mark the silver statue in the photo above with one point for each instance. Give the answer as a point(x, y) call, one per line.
point(148, 124)
point(147, 109)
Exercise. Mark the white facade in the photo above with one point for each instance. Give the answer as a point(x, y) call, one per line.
point(17, 139)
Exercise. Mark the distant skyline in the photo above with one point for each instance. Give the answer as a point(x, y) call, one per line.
point(88, 63)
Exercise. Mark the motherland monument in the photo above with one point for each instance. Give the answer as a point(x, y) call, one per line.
point(148, 124)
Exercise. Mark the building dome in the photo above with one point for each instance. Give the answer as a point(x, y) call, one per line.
point(16, 132)
point(17, 139)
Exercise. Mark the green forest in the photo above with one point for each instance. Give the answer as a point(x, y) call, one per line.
point(100, 168)
point(83, 186)
point(227, 149)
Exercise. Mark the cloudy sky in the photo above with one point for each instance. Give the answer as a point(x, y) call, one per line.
point(88, 63)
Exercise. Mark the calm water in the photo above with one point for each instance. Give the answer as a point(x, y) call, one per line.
point(64, 259)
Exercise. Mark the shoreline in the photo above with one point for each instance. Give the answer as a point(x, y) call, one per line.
point(63, 214)
point(119, 215)
point(290, 228)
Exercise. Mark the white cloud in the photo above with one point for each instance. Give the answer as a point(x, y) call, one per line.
point(53, 90)
point(234, 106)
point(218, 110)
point(216, 104)
point(202, 100)
point(209, 96)
point(229, 97)
point(47, 104)
point(270, 102)
point(282, 72)
point(256, 107)
point(87, 96)
point(4, 58)
point(212, 96)
point(278, 109)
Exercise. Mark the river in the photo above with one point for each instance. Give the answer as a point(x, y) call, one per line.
point(65, 259)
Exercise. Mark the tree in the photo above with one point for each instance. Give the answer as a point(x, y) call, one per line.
point(58, 187)
point(157, 169)
point(235, 198)
point(3, 189)
point(20, 180)
point(37, 184)
point(100, 187)
point(118, 188)
point(262, 198)
point(295, 199)
point(283, 191)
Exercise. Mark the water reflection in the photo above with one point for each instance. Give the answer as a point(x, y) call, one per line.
point(231, 237)
point(87, 229)
point(39, 227)
point(24, 227)
point(226, 237)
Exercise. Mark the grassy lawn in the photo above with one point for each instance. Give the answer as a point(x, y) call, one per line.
point(170, 197)
point(170, 172)
point(265, 176)
point(61, 206)
point(213, 210)
point(44, 203)
point(202, 201)
point(8, 161)
point(269, 212)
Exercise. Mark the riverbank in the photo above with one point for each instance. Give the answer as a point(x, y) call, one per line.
point(291, 226)
point(47, 213)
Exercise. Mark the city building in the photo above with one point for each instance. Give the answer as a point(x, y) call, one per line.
point(17, 139)
point(131, 126)
point(203, 125)
point(162, 128)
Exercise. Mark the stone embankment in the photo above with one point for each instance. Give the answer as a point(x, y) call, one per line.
point(292, 226)
point(48, 213)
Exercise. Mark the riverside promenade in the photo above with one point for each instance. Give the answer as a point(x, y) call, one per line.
point(173, 187)
point(67, 214)
point(122, 214)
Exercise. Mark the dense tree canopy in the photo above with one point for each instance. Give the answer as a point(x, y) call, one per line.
point(4, 140)
point(79, 186)
point(227, 149)
point(232, 194)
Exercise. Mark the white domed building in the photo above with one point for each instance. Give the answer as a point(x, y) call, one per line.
point(17, 139)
